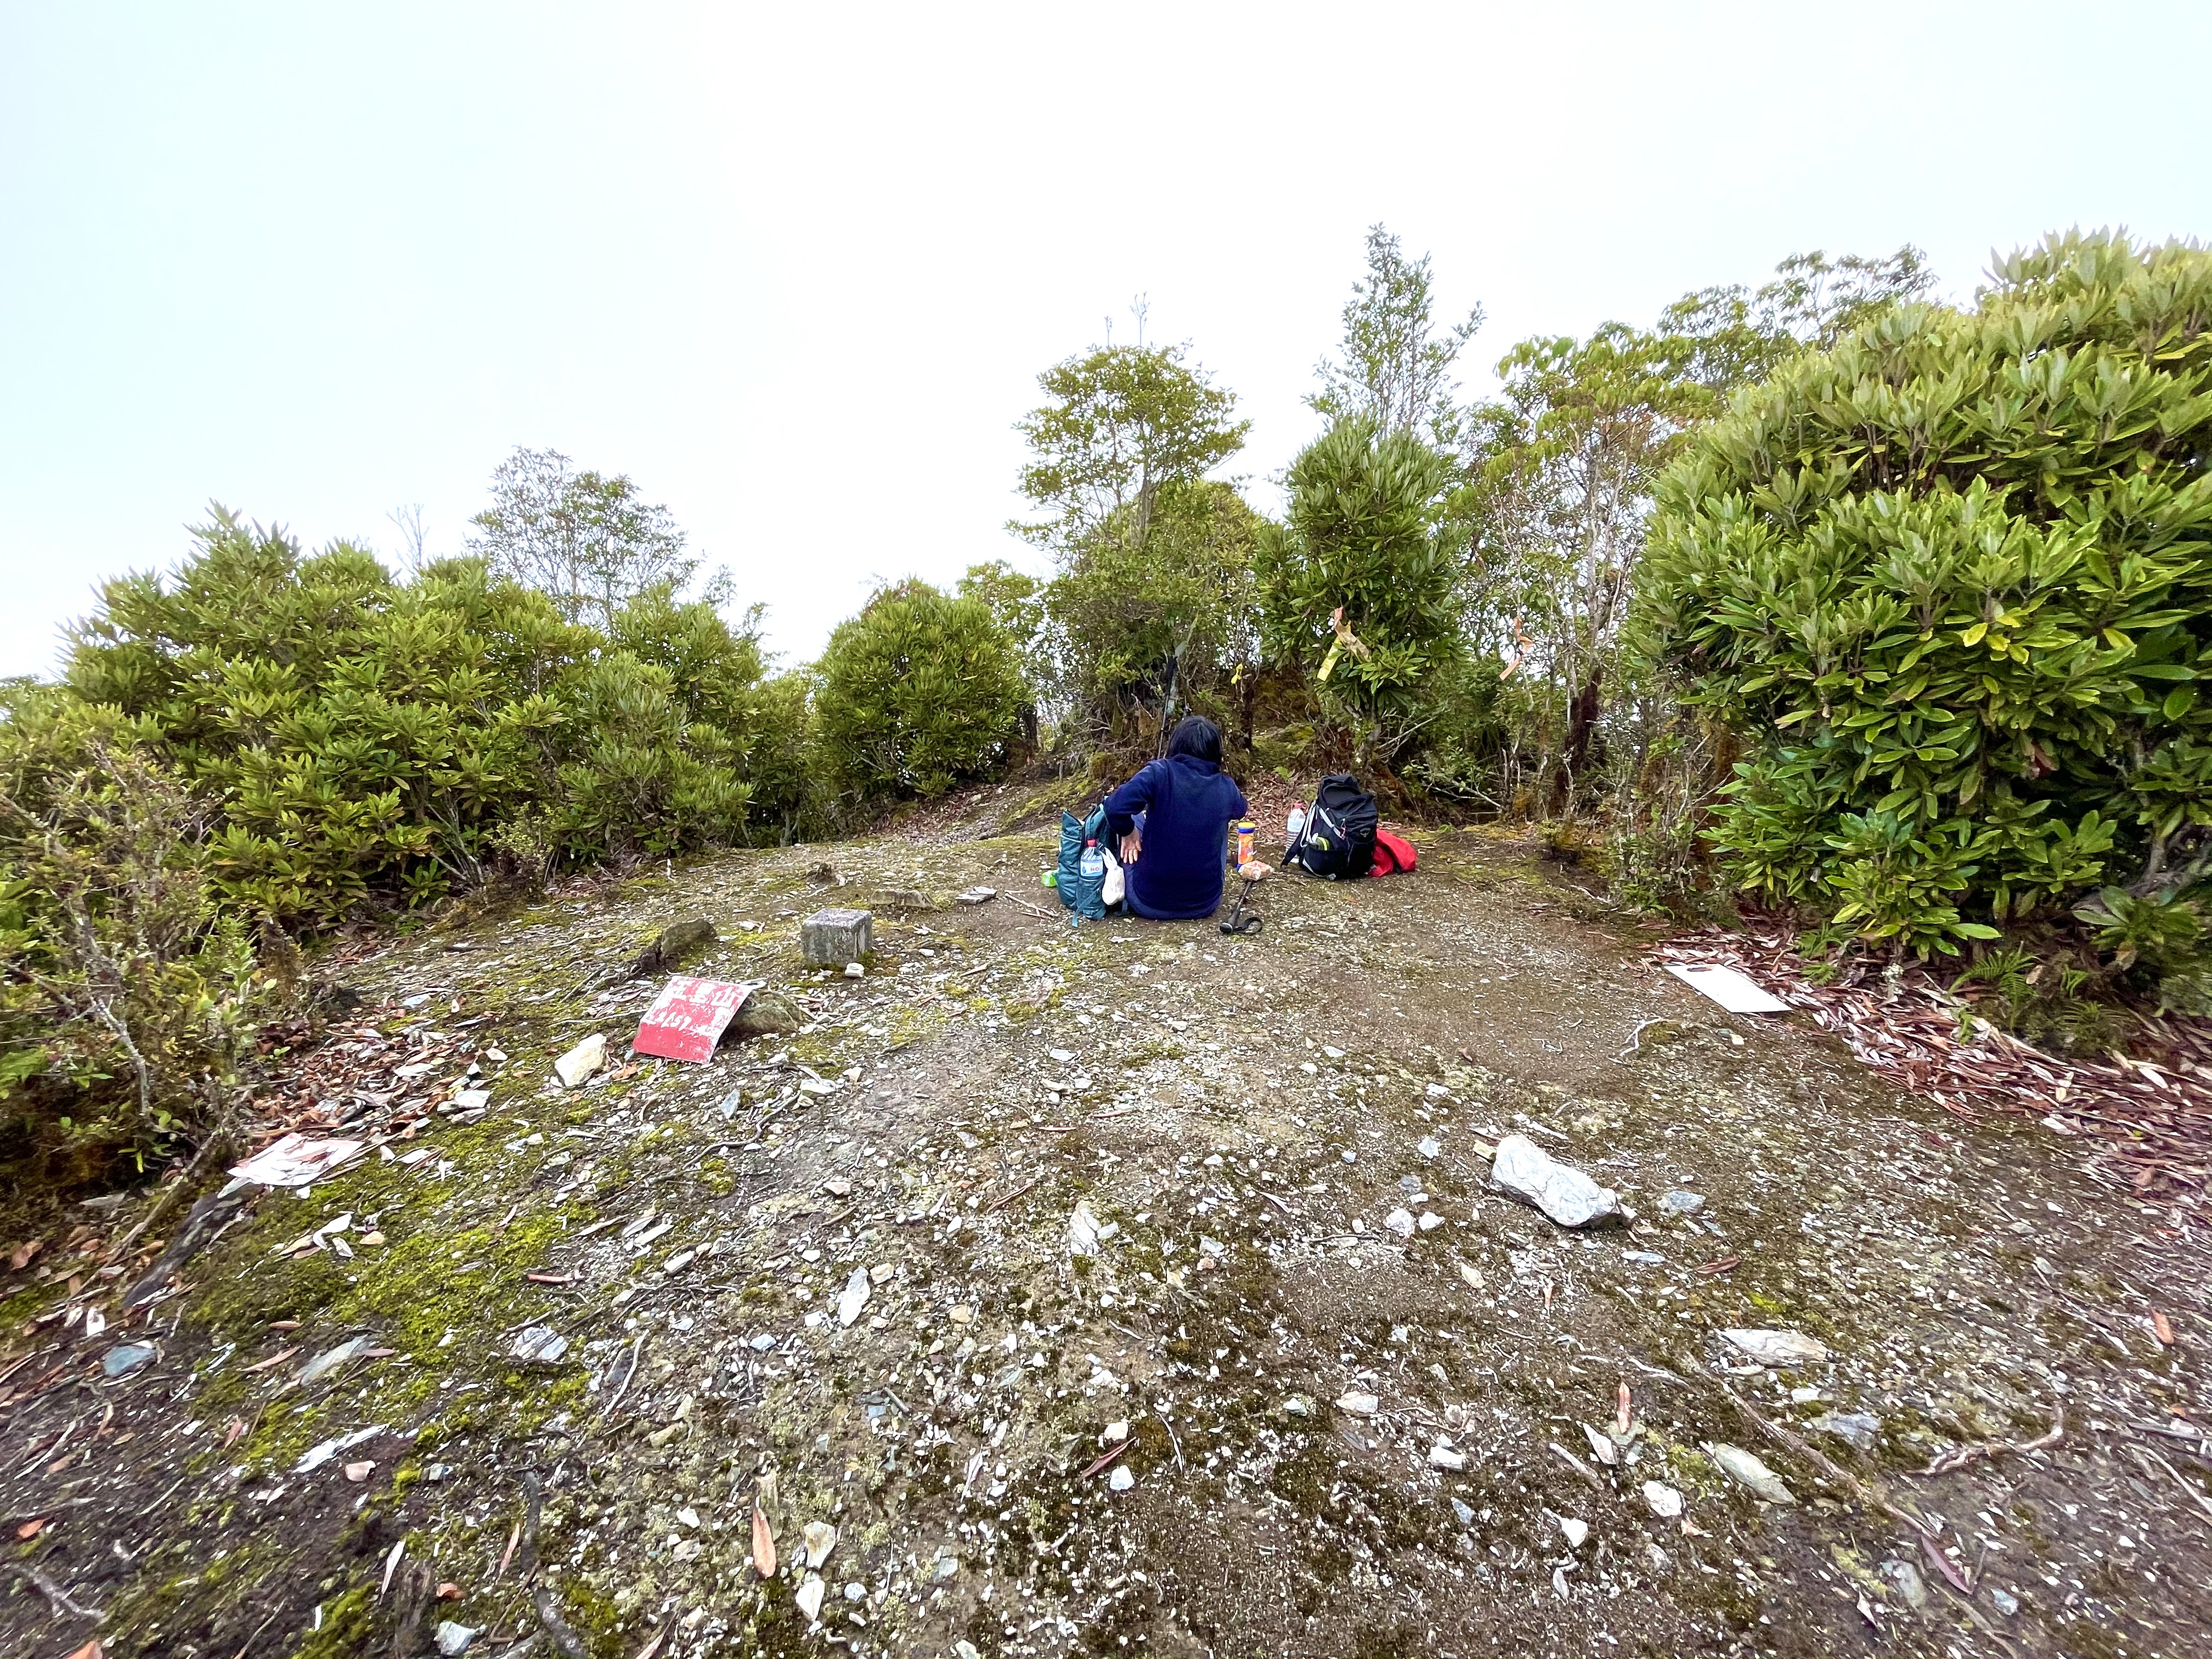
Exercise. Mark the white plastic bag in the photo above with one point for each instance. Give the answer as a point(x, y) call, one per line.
point(1110, 895)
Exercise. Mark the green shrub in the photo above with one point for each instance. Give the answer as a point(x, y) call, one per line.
point(916, 692)
point(127, 989)
point(1953, 577)
point(1357, 584)
point(374, 742)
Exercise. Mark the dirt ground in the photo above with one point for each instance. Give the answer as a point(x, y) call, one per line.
point(1126, 1186)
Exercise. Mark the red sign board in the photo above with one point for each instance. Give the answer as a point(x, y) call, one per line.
point(687, 1019)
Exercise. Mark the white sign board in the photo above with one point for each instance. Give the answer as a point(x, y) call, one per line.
point(1730, 988)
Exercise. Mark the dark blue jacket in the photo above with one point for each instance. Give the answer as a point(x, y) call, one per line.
point(1188, 805)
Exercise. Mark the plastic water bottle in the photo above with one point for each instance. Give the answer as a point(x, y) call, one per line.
point(1093, 865)
point(1294, 825)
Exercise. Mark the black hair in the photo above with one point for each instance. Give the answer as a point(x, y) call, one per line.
point(1196, 735)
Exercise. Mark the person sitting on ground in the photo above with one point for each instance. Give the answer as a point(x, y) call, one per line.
point(1172, 821)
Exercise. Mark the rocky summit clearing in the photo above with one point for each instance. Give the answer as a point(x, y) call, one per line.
point(1123, 1289)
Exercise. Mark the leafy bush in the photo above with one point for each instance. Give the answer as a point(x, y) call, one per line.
point(917, 692)
point(1956, 571)
point(369, 741)
point(128, 989)
point(1357, 582)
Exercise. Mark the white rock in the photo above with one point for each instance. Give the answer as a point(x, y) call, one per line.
point(1333, 1053)
point(576, 1065)
point(1115, 1435)
point(1358, 1404)
point(1524, 1171)
point(1442, 1456)
point(1746, 1469)
point(1431, 1220)
point(1430, 1147)
point(453, 1638)
point(1400, 1222)
point(1664, 1501)
point(540, 1345)
point(854, 1296)
point(1576, 1531)
point(688, 1515)
point(820, 1538)
point(810, 1594)
point(1062, 1056)
point(856, 970)
point(1121, 1479)
point(1082, 1233)
point(1779, 1347)
point(1472, 1276)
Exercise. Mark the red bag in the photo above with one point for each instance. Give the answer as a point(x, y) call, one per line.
point(1393, 855)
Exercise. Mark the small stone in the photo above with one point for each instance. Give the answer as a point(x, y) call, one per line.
point(1576, 1531)
point(1121, 1479)
point(1358, 1404)
point(1678, 1202)
point(1082, 1233)
point(976, 896)
point(1662, 1499)
point(1351, 1157)
point(1524, 1171)
point(809, 1596)
point(856, 970)
point(838, 1187)
point(575, 1067)
point(1299, 1405)
point(1400, 1222)
point(1114, 1434)
point(1464, 1514)
point(125, 1359)
point(1471, 1276)
point(688, 1515)
point(1061, 1055)
point(762, 1343)
point(1430, 1147)
point(1431, 1220)
point(854, 1296)
point(1442, 1456)
point(1746, 1470)
point(1779, 1347)
point(962, 1315)
point(679, 1261)
point(357, 1472)
point(2004, 1602)
point(820, 1538)
point(541, 1345)
point(1860, 1428)
point(1905, 1578)
point(453, 1638)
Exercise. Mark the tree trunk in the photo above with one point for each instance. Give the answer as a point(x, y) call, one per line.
point(1582, 725)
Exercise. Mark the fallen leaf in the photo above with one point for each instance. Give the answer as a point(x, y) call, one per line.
point(31, 1528)
point(273, 1360)
point(231, 1430)
point(1724, 1265)
point(449, 1591)
point(91, 1650)
point(763, 1544)
point(1623, 1418)
point(20, 1257)
point(2162, 1328)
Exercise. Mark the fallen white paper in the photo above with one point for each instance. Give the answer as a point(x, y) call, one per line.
point(1730, 988)
point(295, 1161)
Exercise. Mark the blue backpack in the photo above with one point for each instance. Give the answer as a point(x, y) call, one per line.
point(1081, 894)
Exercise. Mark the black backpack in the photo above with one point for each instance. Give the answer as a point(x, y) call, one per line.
point(1338, 841)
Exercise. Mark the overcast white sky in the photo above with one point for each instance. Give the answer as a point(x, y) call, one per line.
point(795, 269)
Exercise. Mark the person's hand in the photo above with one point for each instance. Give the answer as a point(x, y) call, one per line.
point(1131, 845)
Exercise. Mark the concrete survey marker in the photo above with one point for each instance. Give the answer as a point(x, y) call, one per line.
point(835, 937)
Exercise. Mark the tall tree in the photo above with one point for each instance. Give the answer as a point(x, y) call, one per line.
point(1127, 424)
point(586, 539)
point(1396, 362)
